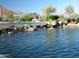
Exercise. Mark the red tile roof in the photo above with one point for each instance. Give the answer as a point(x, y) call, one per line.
point(6, 11)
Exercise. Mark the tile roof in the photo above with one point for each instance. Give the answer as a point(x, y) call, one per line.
point(6, 11)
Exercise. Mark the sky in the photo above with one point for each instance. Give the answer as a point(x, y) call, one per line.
point(36, 6)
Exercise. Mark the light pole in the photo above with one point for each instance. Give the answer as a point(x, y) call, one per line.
point(1, 13)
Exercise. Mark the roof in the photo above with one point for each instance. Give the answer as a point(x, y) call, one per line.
point(6, 11)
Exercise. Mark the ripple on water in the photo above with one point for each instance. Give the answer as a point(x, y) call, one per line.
point(53, 43)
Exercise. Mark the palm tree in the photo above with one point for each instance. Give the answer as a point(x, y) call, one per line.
point(10, 17)
point(48, 11)
point(69, 11)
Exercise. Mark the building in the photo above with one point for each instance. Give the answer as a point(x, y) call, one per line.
point(4, 12)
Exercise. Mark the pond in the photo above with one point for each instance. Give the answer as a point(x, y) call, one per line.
point(55, 43)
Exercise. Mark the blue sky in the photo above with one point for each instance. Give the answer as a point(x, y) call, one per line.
point(38, 5)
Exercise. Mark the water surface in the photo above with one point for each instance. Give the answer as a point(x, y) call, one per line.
point(41, 44)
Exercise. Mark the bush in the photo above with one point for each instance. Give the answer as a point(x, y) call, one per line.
point(26, 19)
point(77, 20)
point(53, 17)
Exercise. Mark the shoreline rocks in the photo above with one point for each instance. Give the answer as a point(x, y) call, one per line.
point(31, 28)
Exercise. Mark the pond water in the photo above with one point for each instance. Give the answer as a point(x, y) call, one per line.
point(56, 43)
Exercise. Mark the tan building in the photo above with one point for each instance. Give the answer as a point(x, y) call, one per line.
point(4, 12)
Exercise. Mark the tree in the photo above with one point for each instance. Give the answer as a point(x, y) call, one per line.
point(77, 18)
point(48, 11)
point(69, 11)
point(27, 17)
point(10, 17)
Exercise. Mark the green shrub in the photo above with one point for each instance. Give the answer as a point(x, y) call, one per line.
point(53, 17)
point(77, 20)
